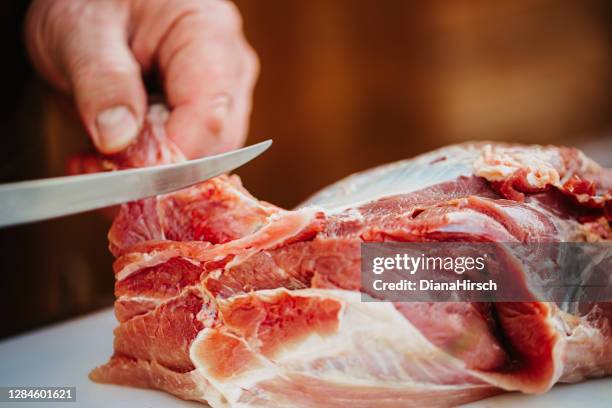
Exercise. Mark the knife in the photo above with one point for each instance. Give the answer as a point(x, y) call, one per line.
point(36, 200)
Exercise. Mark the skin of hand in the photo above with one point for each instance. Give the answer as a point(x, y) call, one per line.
point(98, 51)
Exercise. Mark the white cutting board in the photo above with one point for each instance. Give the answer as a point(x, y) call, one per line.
point(63, 355)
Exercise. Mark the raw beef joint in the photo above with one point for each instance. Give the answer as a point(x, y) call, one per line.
point(225, 299)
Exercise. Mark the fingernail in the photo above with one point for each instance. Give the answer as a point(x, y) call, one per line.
point(218, 114)
point(117, 127)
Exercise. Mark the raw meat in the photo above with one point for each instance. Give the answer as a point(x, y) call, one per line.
point(225, 299)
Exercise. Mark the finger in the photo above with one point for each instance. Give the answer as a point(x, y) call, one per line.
point(208, 72)
point(81, 47)
point(212, 116)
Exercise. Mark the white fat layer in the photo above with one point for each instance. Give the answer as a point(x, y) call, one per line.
point(493, 162)
point(585, 342)
point(542, 164)
point(240, 195)
point(391, 345)
point(280, 227)
point(245, 197)
point(208, 393)
point(156, 299)
point(545, 165)
point(354, 214)
point(401, 177)
point(149, 259)
point(142, 299)
point(230, 388)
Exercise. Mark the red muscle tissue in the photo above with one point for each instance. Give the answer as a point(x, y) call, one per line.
point(225, 299)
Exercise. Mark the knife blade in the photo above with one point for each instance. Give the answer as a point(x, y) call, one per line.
point(37, 200)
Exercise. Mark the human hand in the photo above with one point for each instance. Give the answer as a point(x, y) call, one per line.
point(97, 50)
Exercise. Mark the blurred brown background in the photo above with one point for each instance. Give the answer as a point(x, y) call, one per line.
point(345, 85)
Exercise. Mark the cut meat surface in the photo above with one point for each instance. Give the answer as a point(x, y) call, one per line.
point(225, 299)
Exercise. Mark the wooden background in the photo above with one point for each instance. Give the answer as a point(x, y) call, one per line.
point(345, 85)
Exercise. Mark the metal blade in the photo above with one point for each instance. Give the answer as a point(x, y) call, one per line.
point(36, 200)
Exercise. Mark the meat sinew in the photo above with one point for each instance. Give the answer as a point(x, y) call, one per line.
point(225, 299)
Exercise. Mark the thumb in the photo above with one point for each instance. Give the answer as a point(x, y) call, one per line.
point(82, 47)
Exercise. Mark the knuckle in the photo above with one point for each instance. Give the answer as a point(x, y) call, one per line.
point(227, 15)
point(251, 62)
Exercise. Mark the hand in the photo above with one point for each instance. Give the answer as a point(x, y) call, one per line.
point(97, 50)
